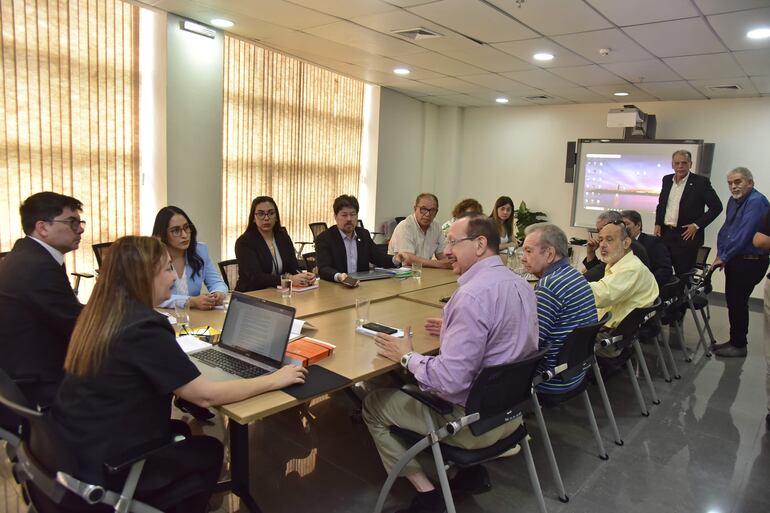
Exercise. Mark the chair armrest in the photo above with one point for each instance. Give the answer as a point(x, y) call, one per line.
point(83, 275)
point(431, 401)
point(138, 453)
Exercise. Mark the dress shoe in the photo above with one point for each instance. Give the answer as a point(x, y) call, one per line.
point(470, 481)
point(714, 347)
point(426, 502)
point(731, 351)
point(193, 409)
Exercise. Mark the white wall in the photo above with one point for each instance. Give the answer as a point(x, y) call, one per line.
point(520, 151)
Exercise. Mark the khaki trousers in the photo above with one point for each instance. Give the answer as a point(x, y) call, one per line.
point(392, 407)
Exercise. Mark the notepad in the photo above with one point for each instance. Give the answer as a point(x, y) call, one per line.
point(190, 343)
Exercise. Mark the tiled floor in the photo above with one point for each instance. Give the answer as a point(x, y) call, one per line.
point(704, 449)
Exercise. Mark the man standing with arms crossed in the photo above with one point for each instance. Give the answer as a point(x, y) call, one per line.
point(680, 218)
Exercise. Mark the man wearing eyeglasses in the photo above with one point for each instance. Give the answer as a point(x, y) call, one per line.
point(38, 308)
point(418, 238)
point(490, 320)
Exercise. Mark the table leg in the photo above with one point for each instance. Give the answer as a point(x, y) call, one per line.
point(239, 466)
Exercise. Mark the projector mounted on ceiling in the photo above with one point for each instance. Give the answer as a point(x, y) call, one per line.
point(636, 123)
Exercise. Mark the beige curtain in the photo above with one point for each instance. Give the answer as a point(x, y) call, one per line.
point(69, 116)
point(292, 131)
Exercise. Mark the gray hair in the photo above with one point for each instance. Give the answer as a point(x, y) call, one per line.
point(684, 153)
point(744, 172)
point(610, 216)
point(551, 236)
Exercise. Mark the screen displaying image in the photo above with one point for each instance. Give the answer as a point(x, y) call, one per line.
point(623, 176)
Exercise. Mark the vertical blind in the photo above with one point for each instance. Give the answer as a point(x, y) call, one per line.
point(292, 131)
point(69, 115)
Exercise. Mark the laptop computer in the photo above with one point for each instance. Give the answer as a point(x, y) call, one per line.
point(374, 274)
point(253, 341)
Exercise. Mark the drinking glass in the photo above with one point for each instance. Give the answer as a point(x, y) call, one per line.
point(182, 311)
point(417, 270)
point(362, 311)
point(286, 286)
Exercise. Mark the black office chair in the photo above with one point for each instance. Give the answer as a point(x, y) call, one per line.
point(576, 356)
point(669, 314)
point(696, 292)
point(496, 397)
point(44, 465)
point(3, 253)
point(625, 338)
point(99, 250)
point(309, 262)
point(374, 234)
point(702, 257)
point(229, 271)
point(10, 423)
point(399, 219)
point(317, 229)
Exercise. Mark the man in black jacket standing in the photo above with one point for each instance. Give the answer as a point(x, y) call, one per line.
point(38, 308)
point(345, 247)
point(686, 205)
point(660, 260)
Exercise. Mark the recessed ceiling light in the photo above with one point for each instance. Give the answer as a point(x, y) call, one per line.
point(620, 93)
point(759, 33)
point(543, 56)
point(222, 23)
point(502, 99)
point(401, 71)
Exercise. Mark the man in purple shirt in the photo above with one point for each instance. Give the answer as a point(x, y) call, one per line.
point(490, 320)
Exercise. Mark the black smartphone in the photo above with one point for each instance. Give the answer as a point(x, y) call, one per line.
point(445, 299)
point(350, 282)
point(373, 326)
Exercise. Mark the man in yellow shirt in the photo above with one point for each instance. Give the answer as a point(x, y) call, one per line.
point(627, 283)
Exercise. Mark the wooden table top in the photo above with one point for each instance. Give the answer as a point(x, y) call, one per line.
point(355, 356)
point(431, 296)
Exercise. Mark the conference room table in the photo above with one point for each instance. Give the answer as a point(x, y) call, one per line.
point(330, 310)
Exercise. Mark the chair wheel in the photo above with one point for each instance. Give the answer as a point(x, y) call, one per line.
point(657, 402)
point(564, 499)
point(645, 414)
point(677, 377)
point(620, 443)
point(688, 359)
point(668, 380)
point(604, 457)
point(708, 355)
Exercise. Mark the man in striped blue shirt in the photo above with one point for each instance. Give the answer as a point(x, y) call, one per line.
point(564, 298)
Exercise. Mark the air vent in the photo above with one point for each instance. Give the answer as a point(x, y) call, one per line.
point(725, 87)
point(538, 98)
point(415, 34)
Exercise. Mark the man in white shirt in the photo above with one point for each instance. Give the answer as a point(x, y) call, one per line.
point(418, 238)
point(38, 308)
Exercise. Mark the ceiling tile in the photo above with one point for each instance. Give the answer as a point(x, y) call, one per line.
point(386, 65)
point(587, 44)
point(440, 63)
point(309, 43)
point(732, 28)
point(592, 74)
point(491, 59)
point(577, 94)
point(642, 71)
point(676, 90)
point(455, 84)
point(548, 100)
point(413, 86)
point(273, 11)
point(718, 65)
point(720, 6)
point(680, 37)
point(634, 94)
point(634, 12)
point(462, 100)
point(526, 49)
point(342, 8)
point(572, 16)
point(762, 84)
point(495, 82)
point(539, 78)
point(408, 3)
point(754, 62)
point(746, 88)
point(347, 33)
point(475, 19)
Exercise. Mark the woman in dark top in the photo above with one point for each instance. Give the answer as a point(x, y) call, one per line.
point(122, 367)
point(265, 251)
point(502, 213)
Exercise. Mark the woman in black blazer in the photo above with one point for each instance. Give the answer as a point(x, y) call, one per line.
point(265, 251)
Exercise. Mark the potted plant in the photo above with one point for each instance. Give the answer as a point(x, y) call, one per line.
point(525, 217)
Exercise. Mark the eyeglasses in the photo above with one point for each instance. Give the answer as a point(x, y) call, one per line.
point(428, 211)
point(261, 214)
point(452, 243)
point(73, 222)
point(176, 231)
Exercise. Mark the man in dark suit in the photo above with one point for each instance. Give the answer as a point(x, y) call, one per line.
point(38, 308)
point(660, 260)
point(594, 266)
point(680, 217)
point(347, 248)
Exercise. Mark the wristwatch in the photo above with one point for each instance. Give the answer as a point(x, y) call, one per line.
point(405, 359)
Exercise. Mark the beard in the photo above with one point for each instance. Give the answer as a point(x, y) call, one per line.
point(611, 258)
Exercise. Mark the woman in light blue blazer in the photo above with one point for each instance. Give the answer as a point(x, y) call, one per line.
point(190, 259)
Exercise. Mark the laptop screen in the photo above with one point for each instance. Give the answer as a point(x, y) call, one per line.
point(258, 326)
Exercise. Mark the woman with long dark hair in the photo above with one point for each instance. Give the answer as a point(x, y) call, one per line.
point(265, 251)
point(122, 366)
point(191, 261)
point(502, 213)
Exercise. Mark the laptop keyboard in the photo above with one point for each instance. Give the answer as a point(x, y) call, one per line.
point(229, 364)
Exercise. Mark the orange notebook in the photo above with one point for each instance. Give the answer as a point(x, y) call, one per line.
point(307, 351)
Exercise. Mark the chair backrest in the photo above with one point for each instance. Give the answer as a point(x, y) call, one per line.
point(577, 350)
point(702, 256)
point(10, 421)
point(3, 254)
point(309, 260)
point(229, 270)
point(499, 392)
point(360, 224)
point(99, 250)
point(317, 229)
point(399, 219)
point(629, 326)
